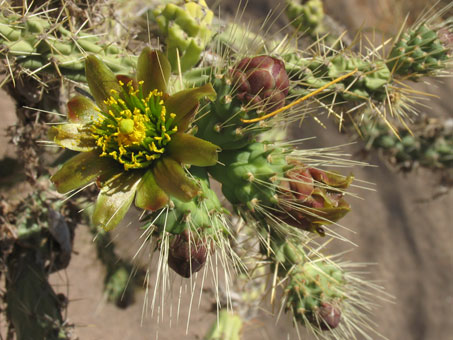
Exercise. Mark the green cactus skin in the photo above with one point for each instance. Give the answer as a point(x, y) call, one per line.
point(243, 172)
point(227, 327)
point(306, 17)
point(256, 180)
point(220, 120)
point(430, 145)
point(193, 229)
point(369, 83)
point(186, 27)
point(202, 212)
point(35, 43)
point(418, 52)
point(311, 282)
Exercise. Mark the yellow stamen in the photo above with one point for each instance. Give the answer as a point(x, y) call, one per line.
point(122, 135)
point(150, 157)
point(300, 100)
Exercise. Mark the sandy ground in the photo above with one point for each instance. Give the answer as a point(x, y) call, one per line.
point(403, 228)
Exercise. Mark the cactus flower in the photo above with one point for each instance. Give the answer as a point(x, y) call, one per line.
point(261, 80)
point(311, 197)
point(132, 141)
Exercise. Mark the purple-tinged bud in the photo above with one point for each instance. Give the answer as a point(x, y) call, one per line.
point(328, 315)
point(311, 197)
point(187, 254)
point(261, 81)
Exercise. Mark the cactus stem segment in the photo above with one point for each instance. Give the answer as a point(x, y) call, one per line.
point(300, 100)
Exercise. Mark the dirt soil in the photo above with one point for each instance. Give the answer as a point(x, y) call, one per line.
point(404, 229)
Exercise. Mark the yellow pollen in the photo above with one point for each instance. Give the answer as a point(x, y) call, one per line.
point(150, 157)
point(133, 130)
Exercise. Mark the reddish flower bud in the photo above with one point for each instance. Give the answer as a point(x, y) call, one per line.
point(261, 80)
point(309, 198)
point(187, 255)
point(328, 316)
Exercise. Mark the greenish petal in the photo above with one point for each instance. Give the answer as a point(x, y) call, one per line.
point(81, 110)
point(114, 200)
point(188, 149)
point(101, 80)
point(184, 103)
point(125, 79)
point(154, 69)
point(331, 178)
point(73, 136)
point(149, 195)
point(172, 178)
point(82, 169)
point(328, 215)
point(184, 123)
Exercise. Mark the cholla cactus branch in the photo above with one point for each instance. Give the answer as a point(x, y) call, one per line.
point(430, 144)
point(186, 26)
point(227, 327)
point(139, 143)
point(36, 44)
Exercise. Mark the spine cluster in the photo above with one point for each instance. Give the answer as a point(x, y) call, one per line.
point(42, 46)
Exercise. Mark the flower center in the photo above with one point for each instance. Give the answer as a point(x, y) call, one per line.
point(135, 128)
